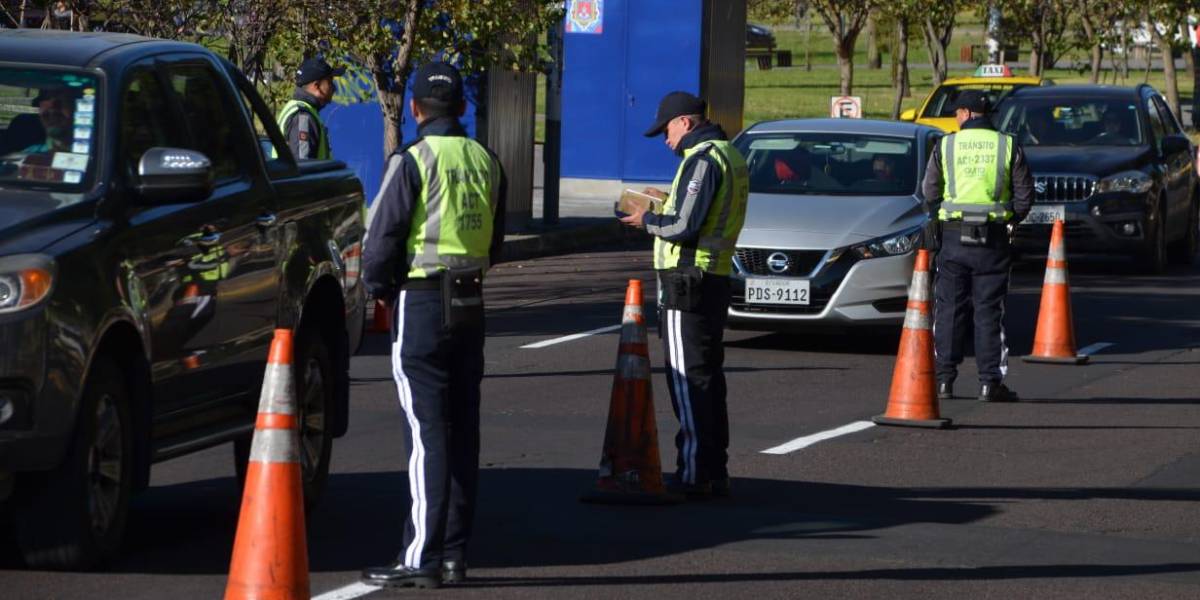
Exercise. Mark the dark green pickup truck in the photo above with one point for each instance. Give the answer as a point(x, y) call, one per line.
point(154, 231)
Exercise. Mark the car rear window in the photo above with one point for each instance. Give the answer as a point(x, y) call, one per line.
point(1071, 122)
point(830, 164)
point(48, 131)
point(941, 104)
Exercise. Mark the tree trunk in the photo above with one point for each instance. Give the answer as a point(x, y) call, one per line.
point(845, 59)
point(391, 91)
point(901, 66)
point(1168, 71)
point(808, 40)
point(874, 59)
point(1097, 61)
point(936, 43)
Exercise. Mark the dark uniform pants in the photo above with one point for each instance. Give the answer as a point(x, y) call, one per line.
point(437, 374)
point(971, 280)
point(695, 359)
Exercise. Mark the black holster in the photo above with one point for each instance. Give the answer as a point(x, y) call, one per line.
point(975, 231)
point(462, 298)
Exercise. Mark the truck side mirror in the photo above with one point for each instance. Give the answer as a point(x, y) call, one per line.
point(1174, 144)
point(174, 175)
point(909, 115)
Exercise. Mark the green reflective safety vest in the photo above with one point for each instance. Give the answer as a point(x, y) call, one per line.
point(712, 252)
point(289, 110)
point(976, 164)
point(209, 266)
point(453, 218)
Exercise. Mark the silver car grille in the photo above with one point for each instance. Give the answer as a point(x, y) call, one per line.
point(800, 263)
point(1063, 188)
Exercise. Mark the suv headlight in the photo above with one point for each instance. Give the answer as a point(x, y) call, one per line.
point(1135, 182)
point(891, 245)
point(25, 280)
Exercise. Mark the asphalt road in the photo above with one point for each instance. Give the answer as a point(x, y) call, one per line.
point(1088, 488)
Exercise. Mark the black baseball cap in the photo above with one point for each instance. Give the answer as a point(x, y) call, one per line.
point(974, 101)
point(438, 81)
point(675, 104)
point(316, 69)
point(48, 93)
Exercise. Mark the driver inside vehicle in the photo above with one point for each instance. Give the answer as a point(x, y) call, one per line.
point(1115, 128)
point(56, 111)
point(1039, 127)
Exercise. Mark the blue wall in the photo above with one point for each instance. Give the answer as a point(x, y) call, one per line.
point(612, 83)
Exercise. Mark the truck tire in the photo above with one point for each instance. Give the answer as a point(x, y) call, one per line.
point(74, 517)
point(1183, 252)
point(313, 369)
point(1153, 257)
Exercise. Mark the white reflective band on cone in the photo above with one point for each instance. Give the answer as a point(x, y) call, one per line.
point(1057, 252)
point(632, 333)
point(919, 290)
point(915, 319)
point(277, 397)
point(631, 366)
point(1056, 276)
point(275, 446)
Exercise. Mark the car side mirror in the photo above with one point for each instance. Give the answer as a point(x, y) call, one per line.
point(909, 115)
point(1174, 144)
point(174, 175)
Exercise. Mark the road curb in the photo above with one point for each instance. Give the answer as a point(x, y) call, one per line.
point(566, 238)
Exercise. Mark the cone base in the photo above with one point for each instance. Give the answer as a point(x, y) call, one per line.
point(927, 423)
point(1057, 360)
point(599, 496)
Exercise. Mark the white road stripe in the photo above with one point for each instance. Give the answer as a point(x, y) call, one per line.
point(570, 338)
point(808, 440)
point(354, 590)
point(1094, 348)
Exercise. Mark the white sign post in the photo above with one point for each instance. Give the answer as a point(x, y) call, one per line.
point(846, 107)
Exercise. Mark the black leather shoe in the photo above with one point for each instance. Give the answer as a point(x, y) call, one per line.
point(721, 488)
point(693, 491)
point(399, 575)
point(454, 571)
point(945, 390)
point(996, 392)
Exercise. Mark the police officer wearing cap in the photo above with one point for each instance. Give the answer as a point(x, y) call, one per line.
point(693, 258)
point(436, 225)
point(977, 184)
point(300, 119)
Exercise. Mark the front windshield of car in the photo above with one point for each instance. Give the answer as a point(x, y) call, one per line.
point(1071, 122)
point(942, 103)
point(830, 164)
point(47, 125)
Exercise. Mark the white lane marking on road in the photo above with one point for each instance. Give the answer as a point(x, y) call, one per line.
point(808, 440)
point(1094, 348)
point(570, 338)
point(354, 590)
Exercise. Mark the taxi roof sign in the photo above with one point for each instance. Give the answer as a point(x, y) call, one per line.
point(993, 71)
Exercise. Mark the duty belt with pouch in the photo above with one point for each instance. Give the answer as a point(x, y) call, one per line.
point(681, 288)
point(975, 230)
point(462, 298)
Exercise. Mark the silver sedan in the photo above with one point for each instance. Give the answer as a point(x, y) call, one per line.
point(832, 224)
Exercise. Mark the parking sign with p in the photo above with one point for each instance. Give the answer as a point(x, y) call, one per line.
point(846, 107)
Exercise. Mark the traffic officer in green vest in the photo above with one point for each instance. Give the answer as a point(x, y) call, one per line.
point(300, 119)
point(436, 225)
point(694, 241)
point(977, 184)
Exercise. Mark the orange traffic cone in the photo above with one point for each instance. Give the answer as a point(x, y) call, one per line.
point(270, 555)
point(1054, 339)
point(382, 323)
point(630, 470)
point(913, 399)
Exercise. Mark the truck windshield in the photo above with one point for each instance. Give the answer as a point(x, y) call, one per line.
point(47, 128)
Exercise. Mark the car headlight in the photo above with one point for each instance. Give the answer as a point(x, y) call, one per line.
point(1135, 182)
point(891, 245)
point(25, 280)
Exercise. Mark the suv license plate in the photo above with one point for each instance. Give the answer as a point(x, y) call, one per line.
point(777, 291)
point(1046, 215)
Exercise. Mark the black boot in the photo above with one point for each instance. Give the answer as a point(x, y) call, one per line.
point(399, 575)
point(945, 390)
point(454, 571)
point(996, 392)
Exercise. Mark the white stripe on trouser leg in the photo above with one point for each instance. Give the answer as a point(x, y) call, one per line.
point(686, 419)
point(1003, 340)
point(416, 461)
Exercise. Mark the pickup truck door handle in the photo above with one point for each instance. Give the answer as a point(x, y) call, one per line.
point(266, 220)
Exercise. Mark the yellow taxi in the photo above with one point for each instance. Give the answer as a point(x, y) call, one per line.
point(995, 80)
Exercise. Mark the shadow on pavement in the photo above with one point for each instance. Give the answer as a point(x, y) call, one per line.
point(532, 517)
point(872, 343)
point(1128, 401)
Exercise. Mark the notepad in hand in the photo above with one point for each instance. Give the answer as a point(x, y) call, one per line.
point(632, 202)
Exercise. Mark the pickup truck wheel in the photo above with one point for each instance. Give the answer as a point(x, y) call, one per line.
point(1153, 257)
point(313, 370)
point(1183, 252)
point(74, 516)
